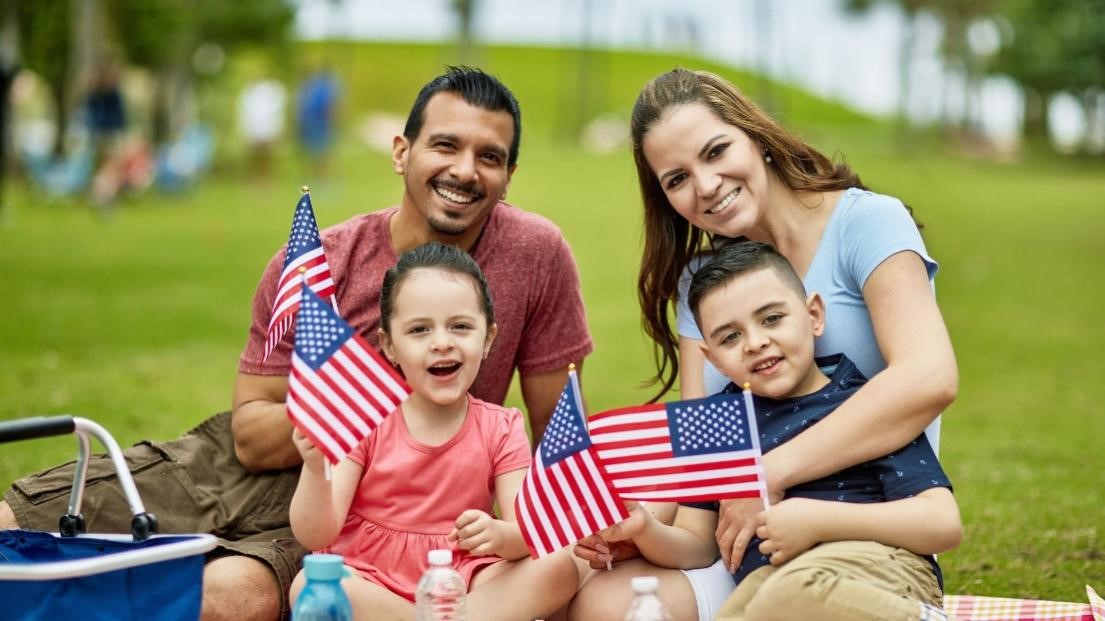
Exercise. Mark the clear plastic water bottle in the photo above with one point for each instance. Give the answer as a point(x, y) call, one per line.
point(323, 599)
point(441, 593)
point(646, 605)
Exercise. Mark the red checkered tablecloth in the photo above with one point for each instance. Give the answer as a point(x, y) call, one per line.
point(978, 608)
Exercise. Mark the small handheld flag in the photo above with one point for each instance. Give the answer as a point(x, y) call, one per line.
point(566, 495)
point(304, 251)
point(339, 388)
point(683, 451)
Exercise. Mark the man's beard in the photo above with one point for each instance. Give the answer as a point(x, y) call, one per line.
point(447, 225)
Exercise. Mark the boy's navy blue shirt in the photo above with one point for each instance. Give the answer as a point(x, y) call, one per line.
point(901, 474)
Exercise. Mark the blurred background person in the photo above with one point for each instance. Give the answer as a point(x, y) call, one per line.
point(261, 122)
point(316, 111)
point(104, 108)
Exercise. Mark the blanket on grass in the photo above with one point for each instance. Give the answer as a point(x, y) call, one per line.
point(978, 608)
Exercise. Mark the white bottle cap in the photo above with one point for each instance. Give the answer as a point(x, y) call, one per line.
point(644, 584)
point(441, 557)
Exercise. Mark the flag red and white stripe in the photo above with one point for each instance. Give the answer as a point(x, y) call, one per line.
point(566, 495)
point(339, 388)
point(304, 252)
point(685, 451)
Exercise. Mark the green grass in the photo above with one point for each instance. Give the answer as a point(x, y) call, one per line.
point(136, 320)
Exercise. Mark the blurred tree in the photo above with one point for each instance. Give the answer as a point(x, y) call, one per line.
point(765, 94)
point(160, 35)
point(1056, 46)
point(466, 12)
point(910, 9)
point(9, 67)
point(47, 43)
point(163, 36)
point(959, 58)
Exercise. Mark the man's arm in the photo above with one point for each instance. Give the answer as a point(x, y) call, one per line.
point(262, 430)
point(541, 392)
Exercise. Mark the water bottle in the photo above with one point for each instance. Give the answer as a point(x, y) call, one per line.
point(323, 599)
point(646, 605)
point(441, 593)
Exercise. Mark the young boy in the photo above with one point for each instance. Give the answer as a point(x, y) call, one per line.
point(854, 545)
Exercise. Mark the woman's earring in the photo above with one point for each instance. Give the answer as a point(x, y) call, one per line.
point(767, 156)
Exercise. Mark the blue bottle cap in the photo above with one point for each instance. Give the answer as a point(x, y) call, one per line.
point(324, 566)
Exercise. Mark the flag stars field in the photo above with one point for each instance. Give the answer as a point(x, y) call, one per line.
point(320, 333)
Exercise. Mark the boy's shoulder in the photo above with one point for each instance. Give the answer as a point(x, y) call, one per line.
point(843, 374)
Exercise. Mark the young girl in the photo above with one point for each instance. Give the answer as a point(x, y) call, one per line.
point(429, 475)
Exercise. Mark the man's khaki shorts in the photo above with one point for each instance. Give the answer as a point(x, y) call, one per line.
point(193, 484)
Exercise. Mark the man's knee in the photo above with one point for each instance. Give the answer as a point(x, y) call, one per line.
point(7, 517)
point(240, 587)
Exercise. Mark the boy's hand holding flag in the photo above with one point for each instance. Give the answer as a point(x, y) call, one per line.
point(566, 494)
point(304, 251)
point(339, 388)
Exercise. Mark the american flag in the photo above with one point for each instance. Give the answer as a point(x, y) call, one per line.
point(304, 251)
point(339, 388)
point(566, 495)
point(684, 451)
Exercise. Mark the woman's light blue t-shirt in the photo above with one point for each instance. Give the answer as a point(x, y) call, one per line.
point(864, 230)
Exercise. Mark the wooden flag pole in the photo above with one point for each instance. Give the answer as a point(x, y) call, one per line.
point(754, 431)
point(571, 374)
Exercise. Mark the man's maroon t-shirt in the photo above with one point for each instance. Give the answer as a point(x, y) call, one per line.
point(529, 267)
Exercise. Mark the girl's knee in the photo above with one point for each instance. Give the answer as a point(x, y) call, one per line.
point(602, 596)
point(296, 587)
point(591, 603)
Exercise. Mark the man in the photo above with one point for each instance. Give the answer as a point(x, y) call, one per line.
point(457, 154)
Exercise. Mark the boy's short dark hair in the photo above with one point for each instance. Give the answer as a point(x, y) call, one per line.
point(475, 87)
point(736, 259)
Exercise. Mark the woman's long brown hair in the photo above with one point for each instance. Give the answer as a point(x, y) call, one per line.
point(670, 241)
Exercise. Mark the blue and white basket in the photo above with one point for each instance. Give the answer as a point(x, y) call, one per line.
point(90, 577)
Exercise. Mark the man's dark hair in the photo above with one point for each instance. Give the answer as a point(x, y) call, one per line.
point(736, 259)
point(433, 255)
point(475, 87)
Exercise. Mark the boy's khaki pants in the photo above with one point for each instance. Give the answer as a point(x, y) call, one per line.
point(845, 580)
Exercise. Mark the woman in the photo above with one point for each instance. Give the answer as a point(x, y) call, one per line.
point(712, 166)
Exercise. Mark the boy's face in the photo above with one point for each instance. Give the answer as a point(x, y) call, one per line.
point(759, 330)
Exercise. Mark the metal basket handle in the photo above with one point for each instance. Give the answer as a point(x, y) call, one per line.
point(142, 525)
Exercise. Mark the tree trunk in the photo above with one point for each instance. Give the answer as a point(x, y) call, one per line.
point(905, 79)
point(1091, 107)
point(465, 11)
point(1035, 116)
point(59, 92)
point(9, 67)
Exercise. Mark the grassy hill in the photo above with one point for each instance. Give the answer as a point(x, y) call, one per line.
point(136, 320)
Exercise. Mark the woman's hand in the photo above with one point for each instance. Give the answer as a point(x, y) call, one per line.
point(789, 528)
point(736, 523)
point(480, 534)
